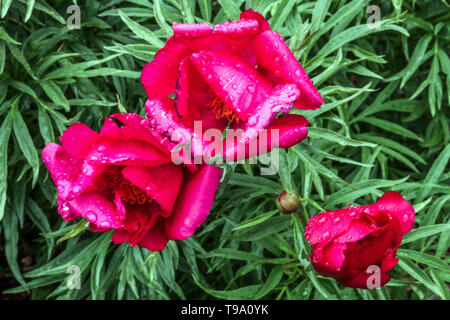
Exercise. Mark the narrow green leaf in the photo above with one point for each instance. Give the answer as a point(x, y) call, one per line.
point(26, 143)
point(424, 232)
point(140, 31)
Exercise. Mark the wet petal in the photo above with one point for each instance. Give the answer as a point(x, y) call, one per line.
point(291, 130)
point(279, 100)
point(393, 203)
point(251, 14)
point(159, 76)
point(78, 139)
point(97, 209)
point(238, 28)
point(191, 30)
point(164, 121)
point(235, 82)
point(275, 57)
point(63, 168)
point(126, 151)
point(358, 229)
point(331, 255)
point(192, 94)
point(371, 250)
point(326, 226)
point(134, 126)
point(85, 179)
point(65, 210)
point(195, 201)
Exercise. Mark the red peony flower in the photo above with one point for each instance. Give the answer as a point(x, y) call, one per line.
point(347, 241)
point(122, 178)
point(237, 74)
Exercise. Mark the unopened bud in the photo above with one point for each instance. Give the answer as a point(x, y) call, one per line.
point(288, 202)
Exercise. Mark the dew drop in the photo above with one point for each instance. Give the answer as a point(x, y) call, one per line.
point(91, 216)
point(105, 224)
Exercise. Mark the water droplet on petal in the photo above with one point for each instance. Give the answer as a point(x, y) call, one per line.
point(105, 224)
point(91, 216)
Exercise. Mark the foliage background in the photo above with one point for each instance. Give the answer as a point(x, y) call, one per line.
point(384, 126)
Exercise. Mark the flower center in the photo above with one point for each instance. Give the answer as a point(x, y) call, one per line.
point(128, 192)
point(220, 110)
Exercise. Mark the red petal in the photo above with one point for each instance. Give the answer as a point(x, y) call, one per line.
point(156, 239)
point(358, 229)
point(78, 139)
point(324, 227)
point(63, 169)
point(162, 183)
point(239, 28)
point(236, 83)
point(126, 152)
point(192, 94)
point(358, 279)
point(250, 14)
point(331, 255)
point(96, 208)
point(191, 30)
point(160, 75)
point(280, 100)
point(194, 203)
point(372, 249)
point(291, 130)
point(134, 126)
point(275, 57)
point(393, 203)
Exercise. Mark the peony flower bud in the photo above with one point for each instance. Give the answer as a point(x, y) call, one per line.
point(288, 202)
point(349, 243)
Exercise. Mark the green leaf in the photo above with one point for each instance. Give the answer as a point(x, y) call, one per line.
point(140, 31)
point(255, 221)
point(424, 232)
point(5, 132)
point(77, 229)
point(5, 7)
point(30, 7)
point(417, 273)
point(322, 133)
point(10, 224)
point(392, 127)
point(5, 36)
point(270, 283)
point(435, 172)
point(230, 8)
point(283, 10)
point(21, 59)
point(26, 143)
point(55, 93)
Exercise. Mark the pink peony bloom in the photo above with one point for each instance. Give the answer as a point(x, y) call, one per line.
point(123, 178)
point(237, 74)
point(348, 242)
